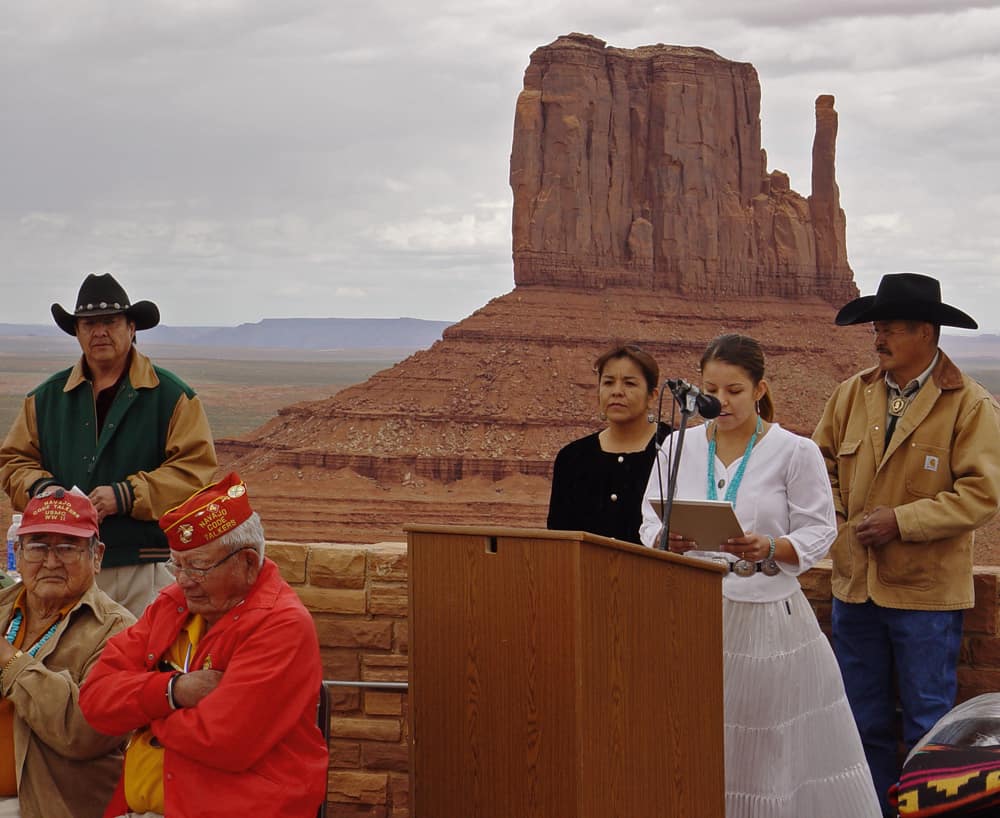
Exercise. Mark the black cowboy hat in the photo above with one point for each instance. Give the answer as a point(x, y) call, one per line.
point(103, 295)
point(904, 297)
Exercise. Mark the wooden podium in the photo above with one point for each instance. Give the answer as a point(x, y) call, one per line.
point(559, 674)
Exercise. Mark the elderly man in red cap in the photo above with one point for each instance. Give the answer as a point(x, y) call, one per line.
point(132, 435)
point(53, 764)
point(219, 678)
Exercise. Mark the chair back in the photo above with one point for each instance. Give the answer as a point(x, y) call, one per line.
point(323, 720)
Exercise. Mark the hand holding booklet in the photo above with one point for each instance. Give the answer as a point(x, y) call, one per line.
point(709, 523)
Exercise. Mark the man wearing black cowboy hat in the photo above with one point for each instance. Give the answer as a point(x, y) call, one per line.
point(913, 450)
point(130, 434)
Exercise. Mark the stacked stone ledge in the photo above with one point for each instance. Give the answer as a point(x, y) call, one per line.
point(358, 597)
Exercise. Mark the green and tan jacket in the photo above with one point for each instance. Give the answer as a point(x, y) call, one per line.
point(155, 450)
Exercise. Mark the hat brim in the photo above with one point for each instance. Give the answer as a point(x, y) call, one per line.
point(58, 528)
point(864, 310)
point(144, 314)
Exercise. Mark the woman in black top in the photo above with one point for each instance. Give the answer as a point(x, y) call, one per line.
point(598, 481)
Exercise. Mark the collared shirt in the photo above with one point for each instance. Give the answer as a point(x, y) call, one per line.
point(895, 390)
point(912, 387)
point(104, 398)
point(144, 755)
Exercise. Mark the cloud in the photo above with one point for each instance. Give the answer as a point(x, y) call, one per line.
point(445, 231)
point(219, 146)
point(792, 13)
point(44, 223)
point(350, 292)
point(887, 223)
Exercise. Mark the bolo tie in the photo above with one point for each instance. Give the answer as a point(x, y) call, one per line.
point(897, 405)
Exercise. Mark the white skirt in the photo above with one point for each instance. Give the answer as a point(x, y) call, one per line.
point(792, 748)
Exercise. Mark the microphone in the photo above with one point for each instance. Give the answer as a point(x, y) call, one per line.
point(708, 406)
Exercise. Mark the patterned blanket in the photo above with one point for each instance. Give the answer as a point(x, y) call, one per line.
point(949, 780)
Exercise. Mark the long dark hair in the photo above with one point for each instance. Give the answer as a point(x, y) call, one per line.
point(641, 358)
point(746, 353)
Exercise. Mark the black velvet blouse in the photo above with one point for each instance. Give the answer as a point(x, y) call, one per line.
point(601, 492)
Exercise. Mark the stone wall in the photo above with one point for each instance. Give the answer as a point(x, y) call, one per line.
point(358, 597)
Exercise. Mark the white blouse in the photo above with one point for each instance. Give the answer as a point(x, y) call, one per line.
point(785, 492)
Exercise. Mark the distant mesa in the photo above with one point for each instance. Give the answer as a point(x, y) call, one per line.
point(313, 333)
point(643, 210)
point(272, 333)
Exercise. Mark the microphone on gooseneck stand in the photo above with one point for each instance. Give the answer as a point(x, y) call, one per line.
point(708, 406)
point(691, 399)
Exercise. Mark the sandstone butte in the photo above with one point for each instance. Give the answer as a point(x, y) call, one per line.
point(643, 211)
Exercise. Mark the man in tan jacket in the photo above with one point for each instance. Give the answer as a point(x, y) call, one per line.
point(913, 450)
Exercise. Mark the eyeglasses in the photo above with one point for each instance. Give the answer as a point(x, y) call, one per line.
point(199, 574)
point(37, 552)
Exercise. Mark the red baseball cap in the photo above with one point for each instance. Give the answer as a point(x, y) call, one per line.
point(61, 512)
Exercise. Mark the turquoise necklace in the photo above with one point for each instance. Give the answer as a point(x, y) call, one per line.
point(15, 626)
point(734, 484)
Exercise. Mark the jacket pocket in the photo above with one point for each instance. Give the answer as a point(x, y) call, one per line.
point(928, 470)
point(847, 464)
point(842, 552)
point(907, 565)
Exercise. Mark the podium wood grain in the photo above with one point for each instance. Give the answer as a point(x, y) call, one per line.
point(562, 675)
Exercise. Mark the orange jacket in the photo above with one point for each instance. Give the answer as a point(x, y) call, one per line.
point(251, 746)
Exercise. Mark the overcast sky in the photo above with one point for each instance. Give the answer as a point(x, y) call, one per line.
point(234, 160)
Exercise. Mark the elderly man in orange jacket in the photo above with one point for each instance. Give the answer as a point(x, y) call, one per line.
point(220, 678)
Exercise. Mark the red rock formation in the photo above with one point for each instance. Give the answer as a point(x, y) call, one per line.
point(829, 222)
point(466, 431)
point(643, 167)
point(643, 211)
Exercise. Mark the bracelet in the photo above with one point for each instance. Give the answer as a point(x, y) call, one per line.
point(774, 545)
point(17, 655)
point(170, 690)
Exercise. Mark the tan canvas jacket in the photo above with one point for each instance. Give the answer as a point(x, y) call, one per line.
point(65, 768)
point(941, 475)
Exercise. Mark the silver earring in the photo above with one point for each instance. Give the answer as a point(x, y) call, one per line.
point(650, 417)
point(756, 406)
point(603, 416)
